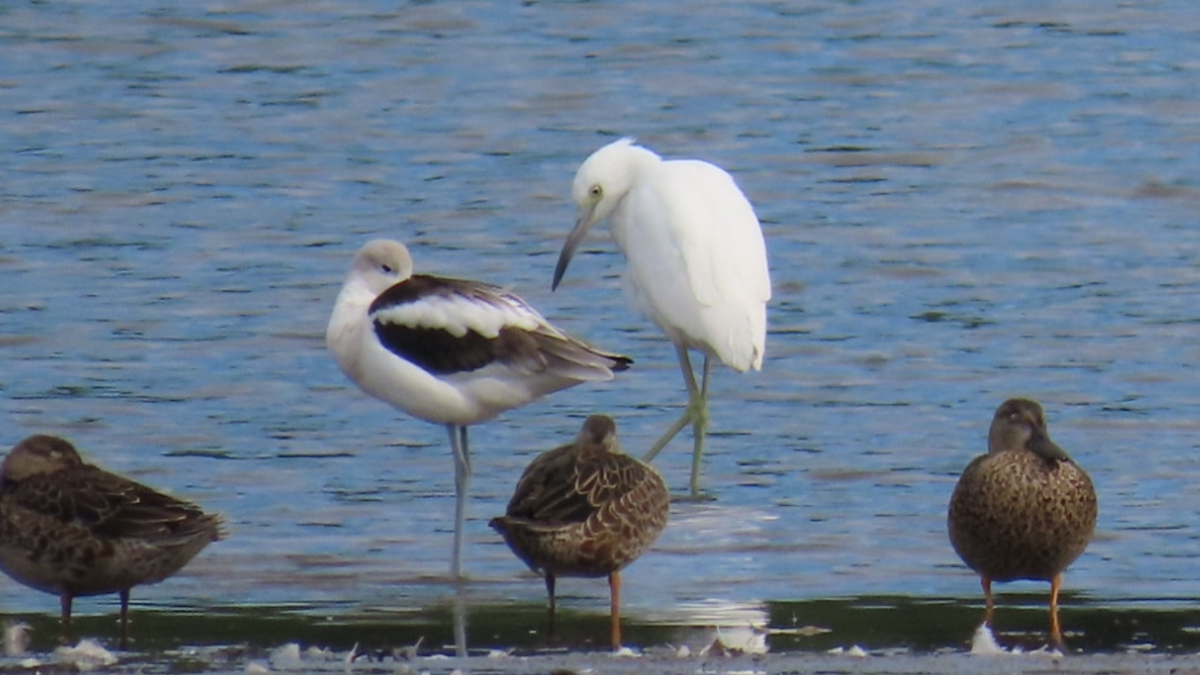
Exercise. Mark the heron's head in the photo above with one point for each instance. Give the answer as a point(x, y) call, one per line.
point(601, 182)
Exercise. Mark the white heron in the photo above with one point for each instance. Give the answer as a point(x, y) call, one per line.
point(450, 351)
point(697, 263)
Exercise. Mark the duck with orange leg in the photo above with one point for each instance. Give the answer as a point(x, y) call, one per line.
point(585, 509)
point(1024, 510)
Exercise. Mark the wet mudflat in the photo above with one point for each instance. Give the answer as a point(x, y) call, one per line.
point(864, 635)
point(665, 662)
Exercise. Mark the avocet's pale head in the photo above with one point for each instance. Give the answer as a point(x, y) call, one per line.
point(381, 264)
point(601, 182)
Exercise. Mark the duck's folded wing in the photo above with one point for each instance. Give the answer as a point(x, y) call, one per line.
point(112, 505)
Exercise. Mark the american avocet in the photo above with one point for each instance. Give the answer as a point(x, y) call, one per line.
point(72, 529)
point(586, 509)
point(1024, 510)
point(450, 351)
point(697, 264)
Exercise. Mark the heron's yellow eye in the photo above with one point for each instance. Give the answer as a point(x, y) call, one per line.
point(596, 191)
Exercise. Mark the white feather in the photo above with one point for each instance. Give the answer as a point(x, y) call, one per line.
point(458, 315)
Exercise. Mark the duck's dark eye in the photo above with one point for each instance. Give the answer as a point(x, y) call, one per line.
point(387, 269)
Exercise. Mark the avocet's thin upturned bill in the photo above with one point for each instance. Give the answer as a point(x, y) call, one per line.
point(72, 529)
point(697, 263)
point(450, 351)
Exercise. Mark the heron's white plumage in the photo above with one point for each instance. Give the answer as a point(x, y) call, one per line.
point(697, 262)
point(697, 259)
point(710, 290)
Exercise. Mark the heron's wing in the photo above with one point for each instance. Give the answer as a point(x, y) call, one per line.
point(720, 238)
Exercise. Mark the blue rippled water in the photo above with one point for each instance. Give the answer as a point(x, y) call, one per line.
point(961, 202)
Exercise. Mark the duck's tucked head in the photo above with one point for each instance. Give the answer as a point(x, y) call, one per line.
point(1020, 423)
point(599, 432)
point(37, 455)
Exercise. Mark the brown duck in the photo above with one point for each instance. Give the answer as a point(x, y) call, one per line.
point(585, 509)
point(1025, 510)
point(72, 529)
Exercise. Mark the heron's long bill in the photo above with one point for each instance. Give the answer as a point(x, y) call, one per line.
point(587, 218)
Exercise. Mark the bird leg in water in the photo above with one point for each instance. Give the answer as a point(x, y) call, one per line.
point(699, 424)
point(462, 484)
point(988, 606)
point(65, 601)
point(614, 594)
point(696, 414)
point(459, 616)
point(1056, 637)
point(550, 592)
point(662, 441)
point(124, 618)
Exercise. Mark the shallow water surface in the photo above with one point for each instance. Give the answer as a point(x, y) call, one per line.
point(874, 635)
point(961, 204)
